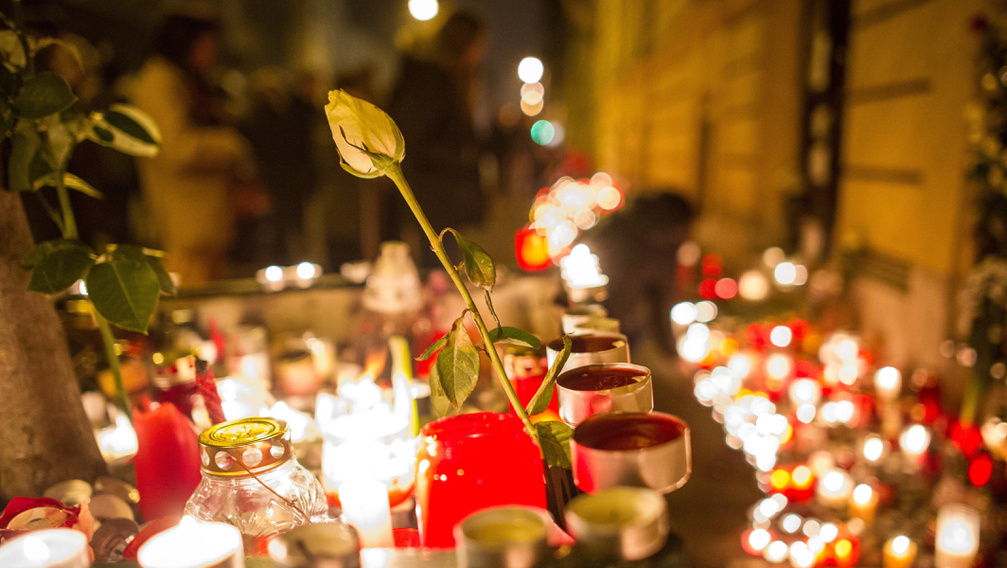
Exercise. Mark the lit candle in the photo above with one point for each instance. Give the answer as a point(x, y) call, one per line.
point(118, 441)
point(834, 488)
point(914, 442)
point(194, 544)
point(755, 541)
point(50, 548)
point(864, 502)
point(874, 448)
point(365, 506)
point(805, 391)
point(957, 536)
point(888, 383)
point(899, 552)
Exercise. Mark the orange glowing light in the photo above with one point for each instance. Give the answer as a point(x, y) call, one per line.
point(729, 347)
point(844, 548)
point(531, 250)
point(780, 479)
point(374, 364)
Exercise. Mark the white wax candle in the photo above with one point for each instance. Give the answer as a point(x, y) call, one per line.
point(50, 548)
point(957, 539)
point(888, 383)
point(899, 552)
point(914, 442)
point(834, 488)
point(194, 544)
point(365, 506)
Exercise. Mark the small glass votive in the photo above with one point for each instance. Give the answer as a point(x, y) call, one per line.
point(590, 349)
point(322, 545)
point(632, 449)
point(606, 387)
point(503, 537)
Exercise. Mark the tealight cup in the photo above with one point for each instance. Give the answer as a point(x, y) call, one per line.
point(503, 537)
point(623, 522)
point(631, 449)
point(328, 545)
point(606, 387)
point(590, 348)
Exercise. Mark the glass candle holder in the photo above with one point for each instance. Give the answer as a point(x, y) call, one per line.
point(470, 462)
point(632, 449)
point(607, 387)
point(252, 481)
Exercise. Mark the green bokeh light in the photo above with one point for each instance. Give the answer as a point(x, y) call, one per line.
point(542, 132)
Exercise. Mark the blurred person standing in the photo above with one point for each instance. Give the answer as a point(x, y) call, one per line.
point(432, 102)
point(188, 186)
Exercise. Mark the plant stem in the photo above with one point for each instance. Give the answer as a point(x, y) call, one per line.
point(395, 174)
point(113, 362)
point(69, 223)
point(107, 337)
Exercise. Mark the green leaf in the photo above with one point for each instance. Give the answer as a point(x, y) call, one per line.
point(24, 150)
point(516, 335)
point(429, 351)
point(164, 281)
point(554, 439)
point(11, 50)
point(458, 364)
point(42, 95)
point(69, 47)
point(478, 265)
point(125, 119)
point(57, 264)
point(126, 129)
point(69, 180)
point(124, 288)
point(104, 135)
point(438, 400)
point(540, 402)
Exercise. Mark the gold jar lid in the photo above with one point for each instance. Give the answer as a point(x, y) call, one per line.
point(246, 446)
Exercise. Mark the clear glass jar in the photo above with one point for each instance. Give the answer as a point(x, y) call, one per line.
point(252, 481)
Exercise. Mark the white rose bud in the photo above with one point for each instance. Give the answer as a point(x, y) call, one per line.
point(368, 140)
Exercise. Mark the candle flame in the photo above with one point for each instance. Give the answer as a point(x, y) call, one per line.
point(374, 364)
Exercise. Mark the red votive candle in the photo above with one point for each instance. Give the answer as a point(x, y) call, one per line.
point(167, 461)
point(470, 462)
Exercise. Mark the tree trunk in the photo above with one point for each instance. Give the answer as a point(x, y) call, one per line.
point(45, 437)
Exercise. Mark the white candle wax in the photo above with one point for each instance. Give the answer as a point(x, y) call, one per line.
point(194, 544)
point(365, 506)
point(834, 488)
point(914, 442)
point(899, 552)
point(957, 539)
point(888, 383)
point(50, 548)
point(118, 441)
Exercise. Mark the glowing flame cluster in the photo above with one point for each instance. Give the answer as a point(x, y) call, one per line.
point(570, 206)
point(779, 395)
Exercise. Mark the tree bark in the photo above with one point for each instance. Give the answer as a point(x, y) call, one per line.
point(45, 437)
